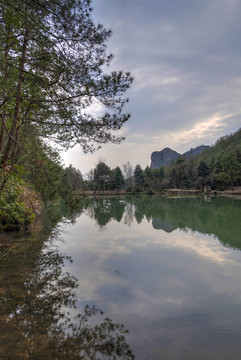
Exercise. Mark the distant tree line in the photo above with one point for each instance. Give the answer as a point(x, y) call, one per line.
point(102, 177)
point(218, 167)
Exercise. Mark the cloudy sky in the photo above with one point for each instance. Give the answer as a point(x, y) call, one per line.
point(185, 56)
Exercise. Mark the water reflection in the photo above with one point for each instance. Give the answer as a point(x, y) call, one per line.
point(103, 210)
point(219, 217)
point(37, 295)
point(177, 291)
point(176, 288)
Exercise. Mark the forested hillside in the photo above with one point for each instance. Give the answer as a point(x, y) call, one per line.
point(218, 166)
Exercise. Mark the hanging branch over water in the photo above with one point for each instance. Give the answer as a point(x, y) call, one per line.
point(52, 68)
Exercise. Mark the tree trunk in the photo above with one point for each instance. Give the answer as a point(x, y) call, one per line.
point(12, 133)
point(4, 93)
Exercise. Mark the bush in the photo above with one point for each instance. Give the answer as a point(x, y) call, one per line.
point(150, 192)
point(14, 213)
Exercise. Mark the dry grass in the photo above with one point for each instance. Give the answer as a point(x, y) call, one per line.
point(31, 199)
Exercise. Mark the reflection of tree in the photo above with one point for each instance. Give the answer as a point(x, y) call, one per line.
point(34, 321)
point(129, 213)
point(220, 217)
point(64, 211)
point(139, 216)
point(88, 342)
point(103, 210)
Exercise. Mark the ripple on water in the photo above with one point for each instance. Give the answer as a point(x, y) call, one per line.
point(231, 328)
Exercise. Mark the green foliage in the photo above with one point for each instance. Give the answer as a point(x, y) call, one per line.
point(102, 173)
point(229, 170)
point(14, 213)
point(203, 169)
point(178, 174)
point(218, 166)
point(73, 178)
point(153, 179)
point(139, 178)
point(52, 66)
point(42, 172)
point(45, 172)
point(117, 179)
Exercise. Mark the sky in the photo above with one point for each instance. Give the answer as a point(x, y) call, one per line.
point(185, 56)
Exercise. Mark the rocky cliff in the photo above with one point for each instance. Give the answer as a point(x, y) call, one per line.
point(165, 156)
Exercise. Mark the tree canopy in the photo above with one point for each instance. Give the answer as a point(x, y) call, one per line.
point(53, 64)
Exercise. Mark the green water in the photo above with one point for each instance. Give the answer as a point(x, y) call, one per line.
point(166, 270)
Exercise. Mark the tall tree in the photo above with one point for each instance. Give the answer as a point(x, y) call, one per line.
point(117, 179)
point(139, 178)
point(128, 173)
point(154, 177)
point(52, 61)
point(73, 178)
point(230, 171)
point(102, 174)
point(203, 169)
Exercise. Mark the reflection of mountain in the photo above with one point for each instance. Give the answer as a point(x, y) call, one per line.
point(164, 225)
point(220, 217)
point(35, 294)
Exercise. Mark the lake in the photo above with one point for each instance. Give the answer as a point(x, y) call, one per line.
point(168, 270)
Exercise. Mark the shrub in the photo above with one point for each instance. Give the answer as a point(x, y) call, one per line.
point(14, 212)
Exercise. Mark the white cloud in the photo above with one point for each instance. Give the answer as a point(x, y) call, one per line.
point(185, 58)
point(198, 133)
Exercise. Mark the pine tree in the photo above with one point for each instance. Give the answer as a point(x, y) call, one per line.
point(139, 178)
point(52, 61)
point(117, 179)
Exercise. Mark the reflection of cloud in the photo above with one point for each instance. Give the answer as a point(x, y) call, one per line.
point(98, 249)
point(161, 276)
point(204, 246)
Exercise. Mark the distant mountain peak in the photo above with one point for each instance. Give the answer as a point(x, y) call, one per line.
point(167, 155)
point(163, 157)
point(195, 151)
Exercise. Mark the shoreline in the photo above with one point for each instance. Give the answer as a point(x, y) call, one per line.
point(236, 192)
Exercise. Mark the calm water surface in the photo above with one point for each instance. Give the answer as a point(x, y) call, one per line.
point(169, 270)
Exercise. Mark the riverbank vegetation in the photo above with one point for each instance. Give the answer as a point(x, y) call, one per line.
point(53, 67)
